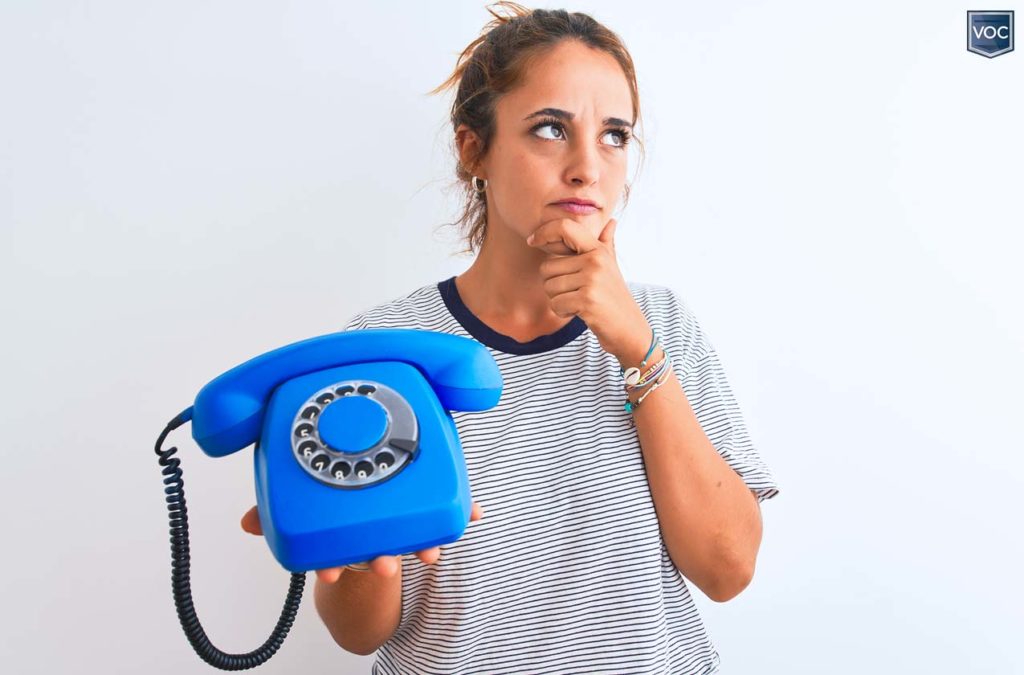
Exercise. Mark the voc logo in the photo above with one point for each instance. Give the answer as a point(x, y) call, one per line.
point(990, 33)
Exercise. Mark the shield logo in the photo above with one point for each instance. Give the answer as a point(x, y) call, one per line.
point(990, 33)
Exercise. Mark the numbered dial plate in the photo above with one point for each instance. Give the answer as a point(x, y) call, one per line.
point(352, 466)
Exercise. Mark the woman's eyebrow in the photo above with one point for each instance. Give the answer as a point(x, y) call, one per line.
point(568, 116)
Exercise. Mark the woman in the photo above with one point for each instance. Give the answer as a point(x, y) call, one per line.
point(616, 461)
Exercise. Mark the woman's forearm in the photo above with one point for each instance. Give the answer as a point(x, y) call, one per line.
point(361, 610)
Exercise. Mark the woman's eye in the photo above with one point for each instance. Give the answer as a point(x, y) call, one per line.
point(619, 135)
point(553, 126)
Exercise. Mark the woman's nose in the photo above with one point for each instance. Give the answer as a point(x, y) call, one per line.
point(583, 166)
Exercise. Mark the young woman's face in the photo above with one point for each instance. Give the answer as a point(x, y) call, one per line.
point(554, 140)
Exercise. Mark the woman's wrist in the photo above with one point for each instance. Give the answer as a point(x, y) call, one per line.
point(639, 381)
point(633, 354)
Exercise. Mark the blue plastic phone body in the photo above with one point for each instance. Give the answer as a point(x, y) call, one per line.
point(348, 399)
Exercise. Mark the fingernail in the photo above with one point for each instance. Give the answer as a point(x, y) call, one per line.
point(529, 240)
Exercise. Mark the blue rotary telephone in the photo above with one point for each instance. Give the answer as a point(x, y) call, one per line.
point(356, 454)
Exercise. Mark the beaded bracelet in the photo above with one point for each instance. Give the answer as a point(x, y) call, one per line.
point(631, 407)
point(632, 375)
point(634, 380)
point(358, 567)
point(650, 375)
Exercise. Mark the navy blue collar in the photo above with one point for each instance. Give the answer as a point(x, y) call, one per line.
point(503, 343)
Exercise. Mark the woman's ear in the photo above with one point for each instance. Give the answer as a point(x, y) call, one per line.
point(468, 144)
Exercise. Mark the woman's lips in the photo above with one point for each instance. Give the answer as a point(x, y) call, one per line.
point(580, 209)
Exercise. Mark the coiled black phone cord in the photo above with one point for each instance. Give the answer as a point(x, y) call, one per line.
point(180, 570)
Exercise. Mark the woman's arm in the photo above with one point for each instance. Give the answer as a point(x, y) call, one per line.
point(709, 518)
point(361, 609)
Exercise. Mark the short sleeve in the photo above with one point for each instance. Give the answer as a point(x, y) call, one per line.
point(704, 382)
point(356, 322)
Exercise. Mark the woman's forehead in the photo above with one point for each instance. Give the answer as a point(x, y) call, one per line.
point(582, 81)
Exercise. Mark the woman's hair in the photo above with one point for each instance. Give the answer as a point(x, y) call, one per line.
point(494, 64)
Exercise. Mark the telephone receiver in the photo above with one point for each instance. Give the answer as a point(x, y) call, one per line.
point(356, 454)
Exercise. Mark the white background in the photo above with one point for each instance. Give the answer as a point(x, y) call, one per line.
point(835, 190)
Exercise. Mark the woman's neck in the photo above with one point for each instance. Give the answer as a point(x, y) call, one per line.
point(504, 289)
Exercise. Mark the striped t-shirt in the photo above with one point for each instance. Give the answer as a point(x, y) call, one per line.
point(567, 571)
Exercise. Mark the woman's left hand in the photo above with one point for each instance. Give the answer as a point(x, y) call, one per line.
point(581, 277)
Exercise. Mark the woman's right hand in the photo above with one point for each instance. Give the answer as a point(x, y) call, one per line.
point(385, 565)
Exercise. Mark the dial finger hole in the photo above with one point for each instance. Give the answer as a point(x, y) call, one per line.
point(364, 469)
point(341, 470)
point(384, 460)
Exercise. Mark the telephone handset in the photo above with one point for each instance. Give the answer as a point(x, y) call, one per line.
point(356, 453)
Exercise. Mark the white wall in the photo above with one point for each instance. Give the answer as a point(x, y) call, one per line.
point(835, 189)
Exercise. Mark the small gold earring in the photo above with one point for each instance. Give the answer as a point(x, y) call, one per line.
point(481, 188)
